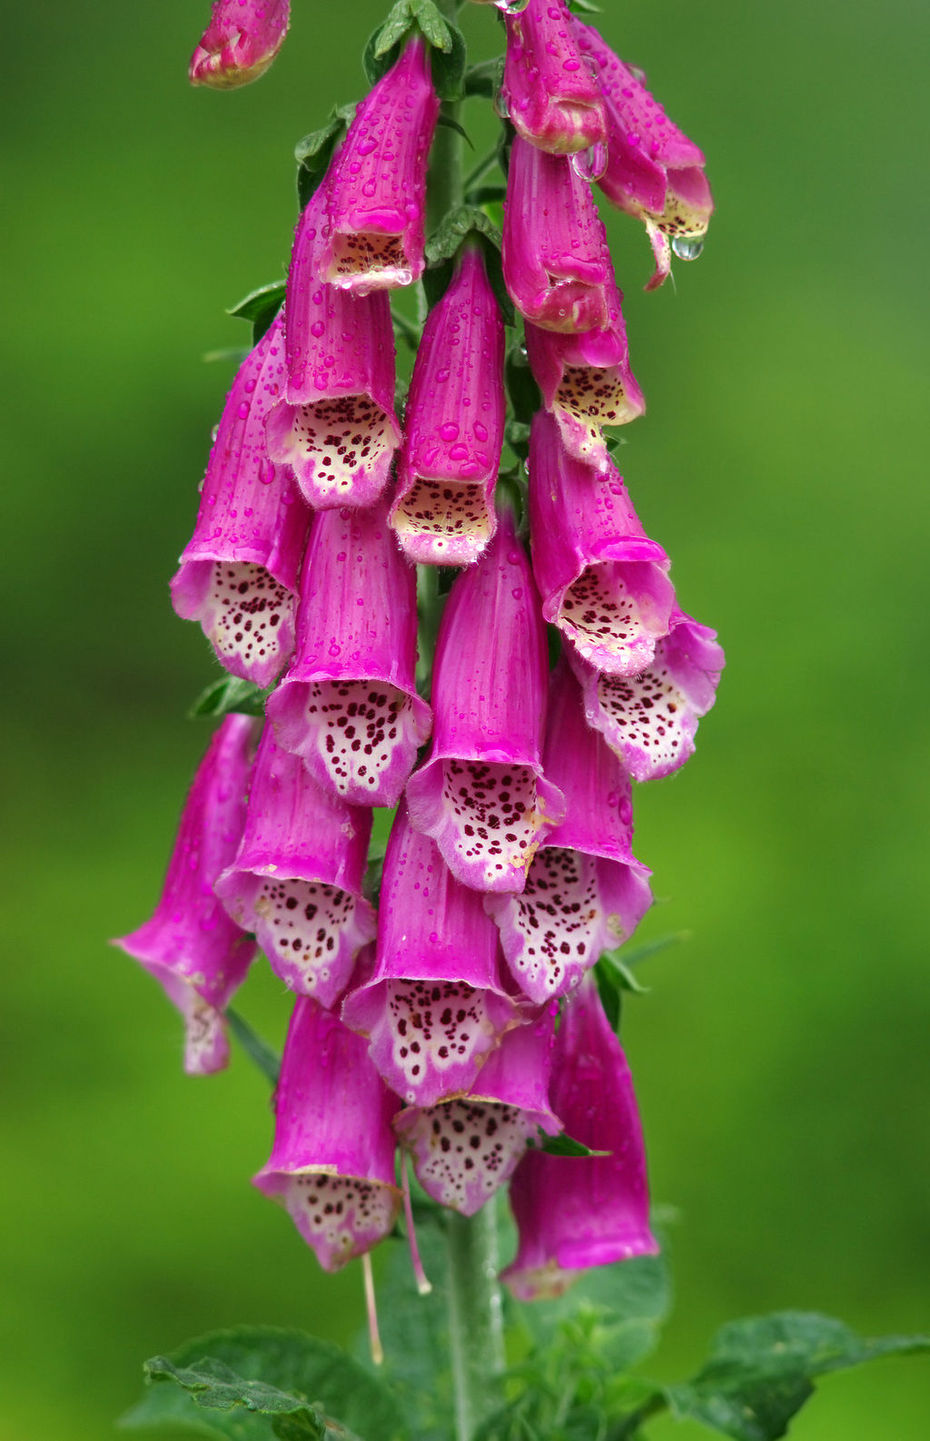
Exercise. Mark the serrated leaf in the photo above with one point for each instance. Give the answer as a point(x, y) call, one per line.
point(299, 1378)
point(257, 1049)
point(314, 152)
point(563, 1145)
point(633, 1298)
point(226, 695)
point(761, 1371)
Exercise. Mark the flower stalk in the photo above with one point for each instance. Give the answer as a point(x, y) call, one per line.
point(476, 1332)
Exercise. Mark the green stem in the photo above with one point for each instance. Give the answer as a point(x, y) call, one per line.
point(476, 1331)
point(429, 608)
point(444, 181)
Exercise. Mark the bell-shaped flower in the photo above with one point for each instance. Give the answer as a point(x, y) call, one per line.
point(238, 575)
point(586, 382)
point(240, 42)
point(581, 1211)
point(434, 1006)
point(557, 266)
point(336, 423)
point(443, 512)
point(190, 945)
point(376, 184)
point(332, 1163)
point(653, 170)
point(650, 719)
point(603, 582)
point(297, 878)
point(348, 705)
point(482, 794)
point(465, 1149)
point(586, 892)
point(549, 93)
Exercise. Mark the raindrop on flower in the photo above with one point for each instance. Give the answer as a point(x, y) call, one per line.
point(687, 247)
point(590, 164)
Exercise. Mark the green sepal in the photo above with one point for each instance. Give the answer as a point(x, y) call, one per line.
point(448, 55)
point(260, 307)
point(229, 694)
point(257, 1049)
point(563, 1145)
point(761, 1371)
point(587, 7)
point(463, 223)
point(255, 1383)
point(314, 152)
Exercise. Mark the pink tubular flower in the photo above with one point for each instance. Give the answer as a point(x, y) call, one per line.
point(190, 945)
point(376, 184)
point(586, 382)
point(465, 1149)
point(297, 878)
point(240, 42)
point(444, 512)
point(336, 424)
point(348, 705)
point(332, 1163)
point(551, 97)
point(576, 1212)
point(603, 582)
point(586, 892)
point(482, 794)
point(434, 1006)
point(650, 719)
point(238, 575)
point(556, 262)
point(653, 170)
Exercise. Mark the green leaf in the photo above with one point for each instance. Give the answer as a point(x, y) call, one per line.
point(633, 955)
point(452, 124)
point(260, 307)
point(521, 387)
point(258, 1382)
point(433, 24)
point(761, 1371)
point(587, 7)
point(630, 1298)
point(455, 228)
point(314, 152)
point(563, 1145)
point(415, 1334)
point(395, 27)
point(258, 1050)
point(229, 694)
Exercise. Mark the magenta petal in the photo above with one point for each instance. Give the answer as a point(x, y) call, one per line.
point(376, 184)
point(586, 892)
point(238, 575)
point(190, 944)
point(556, 262)
point(650, 719)
point(653, 170)
point(576, 1212)
point(551, 96)
point(332, 1163)
point(240, 42)
point(603, 582)
point(444, 512)
point(586, 382)
point(482, 794)
point(348, 705)
point(297, 879)
point(434, 1006)
point(464, 1150)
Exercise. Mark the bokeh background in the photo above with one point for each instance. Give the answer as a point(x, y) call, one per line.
point(781, 1056)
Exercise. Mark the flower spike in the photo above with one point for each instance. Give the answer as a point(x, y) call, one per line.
point(238, 574)
point(603, 582)
point(239, 44)
point(465, 1149)
point(297, 878)
point(434, 1006)
point(557, 266)
point(332, 1163)
point(653, 170)
point(586, 892)
point(482, 794)
point(576, 1212)
point(586, 382)
point(443, 512)
point(348, 705)
point(376, 184)
point(190, 945)
point(650, 719)
point(552, 100)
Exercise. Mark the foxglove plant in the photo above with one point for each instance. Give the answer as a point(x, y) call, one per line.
point(457, 1001)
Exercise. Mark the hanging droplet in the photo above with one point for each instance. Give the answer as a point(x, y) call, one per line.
point(502, 104)
point(590, 164)
point(511, 7)
point(687, 247)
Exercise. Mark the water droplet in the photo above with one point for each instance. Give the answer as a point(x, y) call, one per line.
point(266, 471)
point(449, 430)
point(243, 411)
point(687, 247)
point(502, 104)
point(590, 164)
point(511, 7)
point(317, 328)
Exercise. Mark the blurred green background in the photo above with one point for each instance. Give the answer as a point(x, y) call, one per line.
point(781, 1057)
